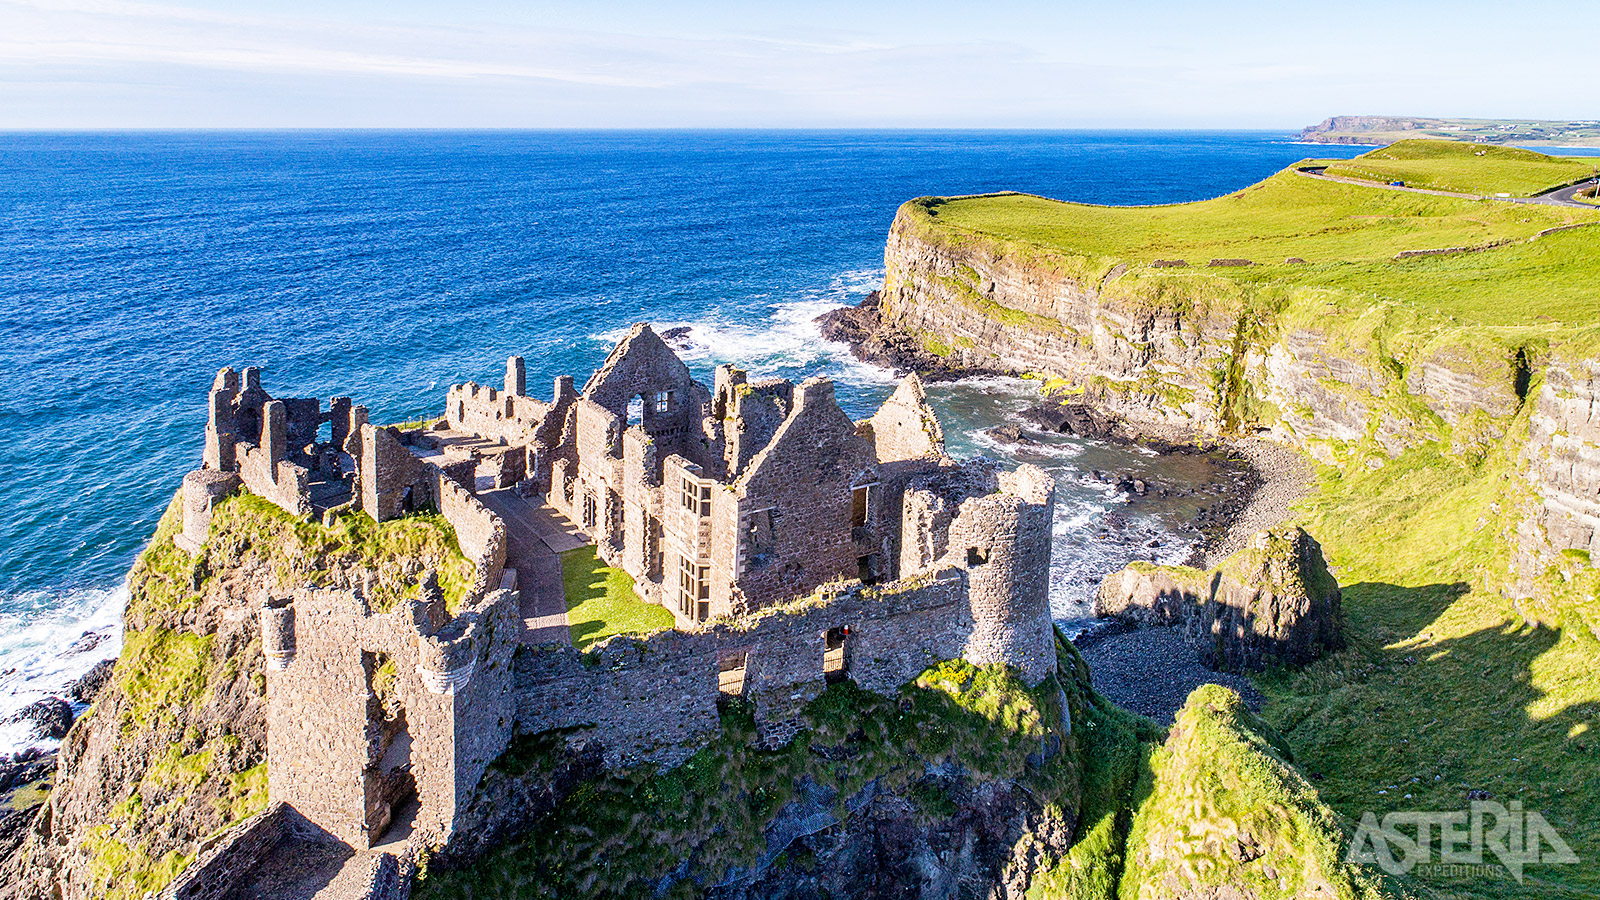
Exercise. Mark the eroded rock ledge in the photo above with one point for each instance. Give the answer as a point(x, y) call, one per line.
point(1272, 603)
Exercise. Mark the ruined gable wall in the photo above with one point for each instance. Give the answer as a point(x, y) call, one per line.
point(655, 698)
point(905, 427)
point(388, 474)
point(806, 474)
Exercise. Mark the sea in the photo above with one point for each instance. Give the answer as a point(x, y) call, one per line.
point(388, 265)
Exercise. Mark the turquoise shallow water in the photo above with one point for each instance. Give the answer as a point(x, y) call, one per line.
point(389, 265)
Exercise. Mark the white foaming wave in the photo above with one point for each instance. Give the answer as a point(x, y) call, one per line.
point(37, 659)
point(981, 437)
point(786, 338)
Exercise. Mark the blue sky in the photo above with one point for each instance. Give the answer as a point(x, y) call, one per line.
point(821, 63)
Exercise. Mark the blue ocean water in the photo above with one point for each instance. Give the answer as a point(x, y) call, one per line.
point(389, 265)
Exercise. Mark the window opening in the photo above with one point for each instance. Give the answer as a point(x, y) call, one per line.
point(834, 660)
point(694, 590)
point(860, 505)
point(977, 556)
point(867, 569)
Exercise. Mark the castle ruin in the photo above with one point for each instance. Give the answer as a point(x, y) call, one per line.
point(792, 545)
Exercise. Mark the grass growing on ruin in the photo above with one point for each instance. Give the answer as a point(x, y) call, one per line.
point(601, 601)
point(1447, 686)
point(1465, 168)
point(171, 665)
point(645, 832)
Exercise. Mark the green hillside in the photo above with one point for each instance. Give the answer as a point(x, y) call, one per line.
point(1466, 168)
point(1342, 241)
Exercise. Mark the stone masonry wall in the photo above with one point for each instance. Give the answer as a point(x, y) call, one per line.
point(332, 742)
point(241, 852)
point(1009, 581)
point(806, 475)
point(655, 698)
point(479, 532)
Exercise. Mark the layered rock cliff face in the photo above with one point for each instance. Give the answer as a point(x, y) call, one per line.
point(1558, 536)
point(1199, 351)
point(173, 751)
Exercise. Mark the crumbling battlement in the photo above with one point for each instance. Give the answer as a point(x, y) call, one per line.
point(369, 711)
point(372, 468)
point(272, 444)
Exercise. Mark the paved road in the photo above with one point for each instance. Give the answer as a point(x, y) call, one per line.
point(1558, 197)
point(1566, 196)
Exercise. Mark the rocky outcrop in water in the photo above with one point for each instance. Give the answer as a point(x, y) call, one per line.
point(876, 341)
point(48, 719)
point(1272, 603)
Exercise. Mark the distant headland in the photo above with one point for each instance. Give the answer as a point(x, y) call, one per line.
point(1388, 129)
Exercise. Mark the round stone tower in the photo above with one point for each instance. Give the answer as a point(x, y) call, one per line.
point(1003, 541)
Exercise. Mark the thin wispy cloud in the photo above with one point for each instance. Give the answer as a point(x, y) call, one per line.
point(83, 63)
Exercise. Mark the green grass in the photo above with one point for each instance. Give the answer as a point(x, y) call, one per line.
point(1287, 215)
point(1465, 168)
point(1226, 808)
point(169, 670)
point(1548, 278)
point(1350, 236)
point(601, 601)
point(1448, 686)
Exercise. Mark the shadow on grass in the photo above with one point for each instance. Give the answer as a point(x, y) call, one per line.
point(601, 601)
point(1441, 693)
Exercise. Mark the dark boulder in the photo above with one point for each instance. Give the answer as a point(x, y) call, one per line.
point(50, 718)
point(86, 688)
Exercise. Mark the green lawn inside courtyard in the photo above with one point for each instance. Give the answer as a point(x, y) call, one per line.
point(601, 601)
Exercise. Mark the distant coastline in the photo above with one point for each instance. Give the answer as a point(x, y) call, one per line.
point(1380, 130)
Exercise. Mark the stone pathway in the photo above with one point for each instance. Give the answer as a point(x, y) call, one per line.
point(535, 536)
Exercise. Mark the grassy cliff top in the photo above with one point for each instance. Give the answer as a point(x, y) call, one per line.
point(1466, 168)
point(1345, 237)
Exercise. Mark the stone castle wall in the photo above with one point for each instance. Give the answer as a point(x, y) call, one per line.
point(654, 698)
point(479, 532)
point(368, 708)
